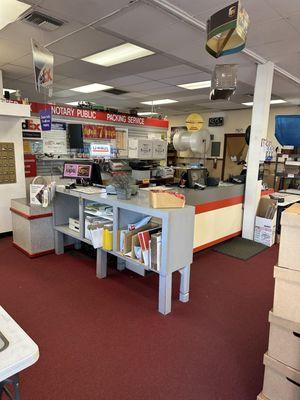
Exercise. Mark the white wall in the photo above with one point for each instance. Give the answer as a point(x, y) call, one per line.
point(238, 119)
point(11, 131)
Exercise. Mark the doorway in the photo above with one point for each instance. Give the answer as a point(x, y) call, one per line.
point(235, 151)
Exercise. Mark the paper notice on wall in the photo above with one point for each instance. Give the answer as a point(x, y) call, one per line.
point(55, 142)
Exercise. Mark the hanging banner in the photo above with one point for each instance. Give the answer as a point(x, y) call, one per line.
point(43, 67)
point(227, 30)
point(46, 119)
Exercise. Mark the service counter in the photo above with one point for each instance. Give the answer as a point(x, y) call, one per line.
point(218, 213)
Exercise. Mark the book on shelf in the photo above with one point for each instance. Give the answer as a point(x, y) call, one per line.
point(155, 251)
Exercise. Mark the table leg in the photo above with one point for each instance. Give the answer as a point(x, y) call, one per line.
point(101, 268)
point(59, 242)
point(165, 294)
point(5, 388)
point(121, 264)
point(184, 284)
point(77, 245)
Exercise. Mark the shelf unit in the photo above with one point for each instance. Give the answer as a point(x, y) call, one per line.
point(289, 160)
point(177, 236)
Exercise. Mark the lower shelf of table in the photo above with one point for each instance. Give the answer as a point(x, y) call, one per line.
point(76, 235)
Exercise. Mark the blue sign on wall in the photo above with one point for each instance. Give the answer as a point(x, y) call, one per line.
point(46, 119)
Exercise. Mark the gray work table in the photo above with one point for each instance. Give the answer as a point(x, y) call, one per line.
point(177, 235)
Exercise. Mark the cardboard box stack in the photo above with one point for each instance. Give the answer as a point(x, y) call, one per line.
point(282, 361)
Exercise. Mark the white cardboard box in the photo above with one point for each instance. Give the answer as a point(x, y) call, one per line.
point(289, 251)
point(159, 149)
point(140, 148)
point(284, 341)
point(287, 294)
point(280, 382)
point(265, 228)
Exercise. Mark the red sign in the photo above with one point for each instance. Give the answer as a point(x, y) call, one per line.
point(30, 165)
point(73, 112)
point(99, 132)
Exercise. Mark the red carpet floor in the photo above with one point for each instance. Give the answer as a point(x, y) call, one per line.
point(104, 339)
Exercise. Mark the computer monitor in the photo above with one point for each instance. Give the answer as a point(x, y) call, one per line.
point(75, 136)
point(77, 171)
point(196, 175)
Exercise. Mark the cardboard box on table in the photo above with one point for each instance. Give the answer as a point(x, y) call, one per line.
point(265, 222)
point(289, 251)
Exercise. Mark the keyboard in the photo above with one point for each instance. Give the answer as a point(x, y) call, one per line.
point(89, 190)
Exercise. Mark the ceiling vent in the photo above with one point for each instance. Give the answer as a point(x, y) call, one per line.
point(43, 21)
point(116, 92)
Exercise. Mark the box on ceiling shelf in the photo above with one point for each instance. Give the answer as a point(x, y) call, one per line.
point(289, 251)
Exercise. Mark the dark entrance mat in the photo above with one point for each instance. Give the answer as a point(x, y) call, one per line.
point(240, 248)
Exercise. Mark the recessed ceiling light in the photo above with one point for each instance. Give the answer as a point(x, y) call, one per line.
point(11, 10)
point(117, 55)
point(276, 101)
point(147, 113)
point(9, 91)
point(195, 85)
point(72, 103)
point(93, 87)
point(159, 102)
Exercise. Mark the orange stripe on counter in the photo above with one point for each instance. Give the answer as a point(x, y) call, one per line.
point(215, 205)
point(266, 192)
point(222, 239)
point(33, 255)
point(27, 216)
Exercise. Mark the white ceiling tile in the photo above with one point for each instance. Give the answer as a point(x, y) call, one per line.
point(268, 33)
point(294, 21)
point(147, 86)
point(125, 81)
point(258, 11)
point(139, 20)
point(84, 43)
point(285, 8)
point(177, 70)
point(15, 71)
point(87, 12)
point(10, 51)
point(178, 80)
point(278, 50)
point(82, 70)
point(27, 61)
point(21, 32)
point(145, 64)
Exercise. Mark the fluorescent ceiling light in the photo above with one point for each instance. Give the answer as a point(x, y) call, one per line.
point(147, 113)
point(72, 103)
point(118, 55)
point(277, 101)
point(196, 85)
point(11, 10)
point(9, 91)
point(159, 102)
point(93, 87)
